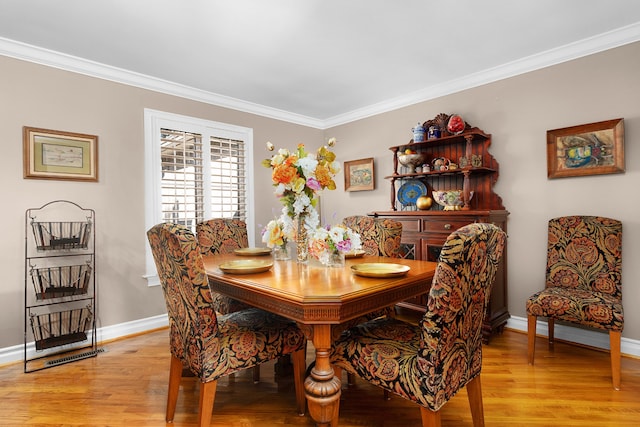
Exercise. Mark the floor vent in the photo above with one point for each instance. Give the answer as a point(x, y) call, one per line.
point(75, 357)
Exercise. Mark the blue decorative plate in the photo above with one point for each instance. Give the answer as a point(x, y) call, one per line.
point(410, 191)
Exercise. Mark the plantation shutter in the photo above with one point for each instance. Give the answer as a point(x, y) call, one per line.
point(194, 190)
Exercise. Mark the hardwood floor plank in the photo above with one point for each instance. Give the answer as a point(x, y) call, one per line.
point(127, 386)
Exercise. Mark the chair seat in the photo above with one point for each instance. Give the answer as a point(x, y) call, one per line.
point(245, 339)
point(384, 352)
point(594, 309)
point(224, 304)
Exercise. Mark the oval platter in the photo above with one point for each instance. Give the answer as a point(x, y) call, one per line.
point(354, 254)
point(252, 251)
point(246, 266)
point(380, 269)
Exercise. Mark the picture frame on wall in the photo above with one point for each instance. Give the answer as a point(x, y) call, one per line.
point(589, 149)
point(52, 154)
point(359, 175)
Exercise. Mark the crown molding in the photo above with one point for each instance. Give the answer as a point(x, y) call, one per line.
point(581, 48)
point(50, 58)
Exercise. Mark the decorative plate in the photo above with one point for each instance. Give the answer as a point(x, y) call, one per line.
point(410, 191)
point(380, 269)
point(252, 251)
point(354, 254)
point(246, 266)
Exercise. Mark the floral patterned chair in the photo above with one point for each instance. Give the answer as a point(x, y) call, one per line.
point(214, 346)
point(380, 236)
point(223, 236)
point(428, 363)
point(583, 281)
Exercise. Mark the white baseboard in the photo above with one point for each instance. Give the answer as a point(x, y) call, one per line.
point(16, 353)
point(591, 338)
point(586, 337)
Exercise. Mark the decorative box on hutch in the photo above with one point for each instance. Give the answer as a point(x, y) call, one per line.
point(474, 171)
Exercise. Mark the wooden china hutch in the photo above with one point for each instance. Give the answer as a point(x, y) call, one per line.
point(424, 231)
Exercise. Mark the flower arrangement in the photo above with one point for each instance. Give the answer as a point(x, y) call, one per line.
point(274, 234)
point(337, 239)
point(298, 176)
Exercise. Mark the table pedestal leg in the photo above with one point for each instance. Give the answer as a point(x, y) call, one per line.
point(321, 387)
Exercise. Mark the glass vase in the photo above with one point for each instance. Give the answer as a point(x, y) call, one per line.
point(281, 252)
point(302, 243)
point(336, 259)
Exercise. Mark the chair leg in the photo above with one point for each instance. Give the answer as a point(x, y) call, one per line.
point(474, 392)
point(430, 418)
point(351, 379)
point(531, 337)
point(551, 323)
point(205, 406)
point(175, 375)
point(299, 362)
point(256, 374)
point(614, 345)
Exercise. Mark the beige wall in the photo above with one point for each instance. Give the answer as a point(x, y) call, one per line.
point(516, 111)
point(38, 96)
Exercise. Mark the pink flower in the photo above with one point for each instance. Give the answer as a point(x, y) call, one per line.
point(314, 184)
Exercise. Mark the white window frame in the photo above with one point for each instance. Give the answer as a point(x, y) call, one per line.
point(154, 121)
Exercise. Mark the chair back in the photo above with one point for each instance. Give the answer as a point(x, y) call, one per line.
point(380, 236)
point(222, 235)
point(192, 318)
point(451, 329)
point(585, 252)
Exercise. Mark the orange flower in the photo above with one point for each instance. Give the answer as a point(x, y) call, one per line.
point(284, 174)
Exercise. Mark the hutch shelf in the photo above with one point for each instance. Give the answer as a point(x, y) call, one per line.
point(424, 231)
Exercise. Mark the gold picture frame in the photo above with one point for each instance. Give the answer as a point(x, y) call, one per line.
point(52, 154)
point(590, 149)
point(359, 175)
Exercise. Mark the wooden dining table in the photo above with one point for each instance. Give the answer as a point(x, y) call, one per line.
point(319, 299)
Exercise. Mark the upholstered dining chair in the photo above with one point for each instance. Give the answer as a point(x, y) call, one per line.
point(583, 281)
point(380, 236)
point(214, 346)
point(223, 236)
point(430, 362)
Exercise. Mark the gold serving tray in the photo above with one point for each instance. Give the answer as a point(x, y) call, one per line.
point(252, 251)
point(246, 266)
point(379, 269)
point(354, 254)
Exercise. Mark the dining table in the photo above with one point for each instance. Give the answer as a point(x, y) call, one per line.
point(319, 299)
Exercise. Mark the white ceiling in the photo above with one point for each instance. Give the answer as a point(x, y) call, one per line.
point(316, 62)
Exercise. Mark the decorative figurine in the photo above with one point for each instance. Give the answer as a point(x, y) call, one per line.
point(418, 133)
point(433, 133)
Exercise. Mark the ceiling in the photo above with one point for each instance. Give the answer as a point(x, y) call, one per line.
point(315, 62)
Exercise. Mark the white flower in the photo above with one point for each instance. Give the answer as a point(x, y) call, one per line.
point(308, 165)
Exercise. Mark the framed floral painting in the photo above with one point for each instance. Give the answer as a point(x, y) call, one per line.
point(359, 175)
point(590, 149)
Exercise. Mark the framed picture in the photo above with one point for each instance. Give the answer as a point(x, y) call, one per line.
point(51, 154)
point(591, 149)
point(359, 175)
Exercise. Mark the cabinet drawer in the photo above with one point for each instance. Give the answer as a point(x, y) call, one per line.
point(444, 225)
point(410, 224)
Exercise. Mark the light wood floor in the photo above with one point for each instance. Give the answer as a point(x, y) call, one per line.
point(127, 386)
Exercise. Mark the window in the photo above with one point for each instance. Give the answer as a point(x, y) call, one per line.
point(195, 170)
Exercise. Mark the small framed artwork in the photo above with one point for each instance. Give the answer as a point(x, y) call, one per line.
point(591, 149)
point(359, 175)
point(52, 154)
